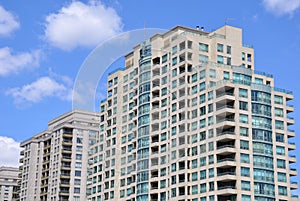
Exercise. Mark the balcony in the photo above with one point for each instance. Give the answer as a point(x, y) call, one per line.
point(224, 110)
point(225, 123)
point(226, 162)
point(226, 176)
point(291, 133)
point(294, 185)
point(226, 190)
point(290, 121)
point(225, 136)
point(226, 149)
point(291, 146)
point(225, 197)
point(293, 172)
point(67, 141)
point(292, 158)
point(289, 108)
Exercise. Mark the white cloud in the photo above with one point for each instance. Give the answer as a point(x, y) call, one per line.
point(82, 25)
point(8, 22)
point(281, 7)
point(13, 63)
point(10, 150)
point(42, 88)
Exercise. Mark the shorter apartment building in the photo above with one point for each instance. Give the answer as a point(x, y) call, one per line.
point(9, 183)
point(54, 162)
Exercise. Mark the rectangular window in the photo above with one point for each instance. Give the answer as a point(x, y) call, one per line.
point(245, 171)
point(202, 123)
point(226, 75)
point(211, 172)
point(210, 159)
point(203, 188)
point(246, 198)
point(194, 176)
point(202, 74)
point(245, 158)
point(228, 49)
point(243, 118)
point(281, 177)
point(282, 190)
point(279, 137)
point(212, 73)
point(174, 61)
point(243, 93)
point(280, 150)
point(202, 161)
point(174, 50)
point(281, 163)
point(203, 58)
point(220, 59)
point(244, 144)
point(228, 61)
point(194, 77)
point(278, 112)
point(258, 80)
point(203, 174)
point(202, 86)
point(220, 47)
point(245, 185)
point(202, 98)
point(278, 99)
point(203, 47)
point(243, 105)
point(279, 124)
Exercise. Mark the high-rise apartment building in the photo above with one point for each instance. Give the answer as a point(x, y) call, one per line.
point(54, 163)
point(9, 186)
point(189, 119)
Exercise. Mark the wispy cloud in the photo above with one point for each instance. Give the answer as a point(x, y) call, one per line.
point(44, 87)
point(282, 7)
point(15, 62)
point(10, 150)
point(81, 25)
point(8, 22)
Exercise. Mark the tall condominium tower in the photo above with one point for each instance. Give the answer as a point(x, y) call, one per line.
point(9, 183)
point(189, 119)
point(54, 162)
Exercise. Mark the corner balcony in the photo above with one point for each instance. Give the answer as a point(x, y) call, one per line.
point(294, 185)
point(225, 136)
point(225, 162)
point(227, 176)
point(291, 133)
point(292, 158)
point(289, 108)
point(225, 123)
point(293, 172)
point(226, 189)
point(291, 146)
point(290, 120)
point(224, 110)
point(226, 149)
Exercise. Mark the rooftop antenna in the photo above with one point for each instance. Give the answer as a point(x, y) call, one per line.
point(145, 35)
point(226, 22)
point(228, 19)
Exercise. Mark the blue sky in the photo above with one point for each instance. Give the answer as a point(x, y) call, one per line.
point(44, 43)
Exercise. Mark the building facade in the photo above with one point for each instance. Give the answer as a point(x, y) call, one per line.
point(189, 119)
point(54, 163)
point(9, 183)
